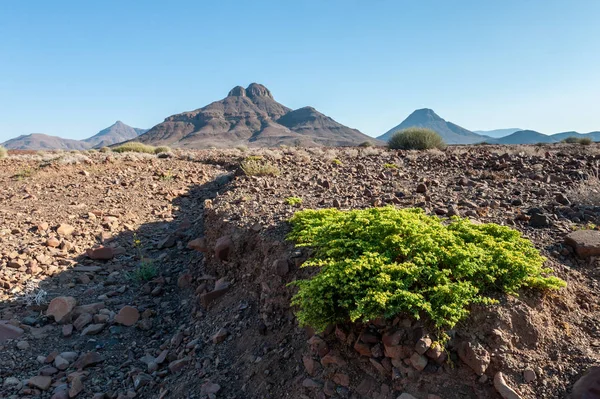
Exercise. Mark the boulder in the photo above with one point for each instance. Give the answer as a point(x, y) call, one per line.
point(61, 307)
point(585, 242)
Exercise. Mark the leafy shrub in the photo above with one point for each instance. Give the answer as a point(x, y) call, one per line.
point(105, 149)
point(416, 138)
point(384, 261)
point(252, 167)
point(366, 144)
point(135, 147)
point(390, 166)
point(3, 152)
point(336, 162)
point(145, 271)
point(578, 140)
point(293, 201)
point(161, 149)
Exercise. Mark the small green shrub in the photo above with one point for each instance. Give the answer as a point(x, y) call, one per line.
point(24, 174)
point(384, 261)
point(336, 162)
point(578, 140)
point(294, 201)
point(390, 166)
point(135, 147)
point(105, 149)
point(253, 167)
point(416, 138)
point(146, 271)
point(366, 144)
point(254, 158)
point(3, 152)
point(161, 149)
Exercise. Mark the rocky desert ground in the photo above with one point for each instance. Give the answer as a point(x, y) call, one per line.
point(133, 275)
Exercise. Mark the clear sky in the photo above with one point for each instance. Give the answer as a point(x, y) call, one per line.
point(71, 68)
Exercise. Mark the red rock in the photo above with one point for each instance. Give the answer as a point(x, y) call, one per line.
point(220, 336)
point(8, 331)
point(76, 386)
point(362, 348)
point(61, 307)
point(100, 253)
point(223, 247)
point(310, 365)
point(341, 379)
point(67, 330)
point(91, 308)
point(419, 362)
point(209, 388)
point(40, 382)
point(52, 242)
point(369, 338)
point(184, 280)
point(588, 385)
point(127, 316)
point(332, 359)
point(585, 242)
point(82, 321)
point(318, 346)
point(392, 338)
point(88, 359)
point(208, 297)
point(397, 351)
point(474, 356)
point(42, 227)
point(199, 244)
point(178, 365)
point(422, 345)
point(65, 230)
point(378, 366)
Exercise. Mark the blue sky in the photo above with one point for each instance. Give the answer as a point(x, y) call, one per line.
point(71, 68)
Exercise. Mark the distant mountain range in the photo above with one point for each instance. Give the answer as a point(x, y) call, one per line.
point(454, 134)
point(116, 133)
point(427, 118)
point(251, 116)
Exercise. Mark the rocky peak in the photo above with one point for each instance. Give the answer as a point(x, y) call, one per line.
point(258, 90)
point(237, 91)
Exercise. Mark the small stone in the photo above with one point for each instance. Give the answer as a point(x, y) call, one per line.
point(421, 188)
point(585, 242)
point(40, 382)
point(209, 388)
point(474, 356)
point(23, 345)
point(311, 384)
point(61, 363)
point(223, 247)
point(406, 395)
point(281, 267)
point(127, 316)
point(76, 386)
point(82, 321)
point(100, 253)
point(93, 329)
point(65, 230)
point(529, 375)
point(178, 365)
point(52, 242)
point(503, 389)
point(60, 307)
point(67, 330)
point(422, 345)
point(220, 336)
point(88, 359)
point(199, 244)
point(419, 362)
point(141, 380)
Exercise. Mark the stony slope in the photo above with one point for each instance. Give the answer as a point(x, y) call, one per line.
point(427, 118)
point(251, 117)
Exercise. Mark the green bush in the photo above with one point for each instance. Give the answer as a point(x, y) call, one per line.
point(105, 149)
point(135, 147)
point(160, 149)
point(293, 201)
point(366, 144)
point(416, 138)
point(255, 167)
point(384, 261)
point(578, 140)
point(3, 152)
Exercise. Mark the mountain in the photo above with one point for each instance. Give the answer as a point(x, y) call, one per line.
point(595, 136)
point(115, 133)
point(38, 141)
point(526, 137)
point(251, 116)
point(497, 133)
point(427, 118)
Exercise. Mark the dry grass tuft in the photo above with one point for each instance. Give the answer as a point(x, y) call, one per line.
point(254, 167)
point(3, 152)
point(135, 147)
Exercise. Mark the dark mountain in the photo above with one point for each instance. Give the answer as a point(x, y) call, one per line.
point(497, 133)
point(252, 117)
point(116, 133)
point(38, 141)
point(427, 118)
point(526, 137)
point(595, 136)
